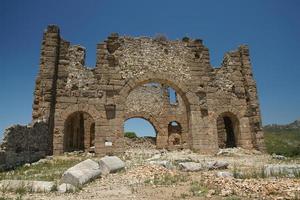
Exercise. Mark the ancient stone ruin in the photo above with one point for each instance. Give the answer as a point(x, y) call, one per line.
point(85, 108)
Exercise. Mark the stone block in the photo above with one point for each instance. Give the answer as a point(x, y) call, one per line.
point(66, 187)
point(29, 186)
point(111, 164)
point(290, 170)
point(81, 173)
point(217, 165)
point(191, 166)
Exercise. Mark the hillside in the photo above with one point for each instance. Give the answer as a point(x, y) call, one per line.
point(283, 139)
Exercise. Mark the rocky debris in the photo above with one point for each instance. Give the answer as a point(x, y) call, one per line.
point(267, 188)
point(217, 165)
point(66, 187)
point(237, 151)
point(110, 164)
point(81, 173)
point(141, 142)
point(163, 163)
point(278, 157)
point(29, 186)
point(155, 157)
point(290, 170)
point(191, 166)
point(224, 174)
point(146, 172)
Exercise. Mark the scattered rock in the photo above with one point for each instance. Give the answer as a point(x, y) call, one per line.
point(217, 165)
point(155, 157)
point(163, 163)
point(29, 186)
point(81, 173)
point(278, 157)
point(190, 166)
point(225, 192)
point(111, 164)
point(237, 151)
point(224, 174)
point(66, 187)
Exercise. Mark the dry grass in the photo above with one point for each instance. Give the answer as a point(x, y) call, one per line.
point(50, 170)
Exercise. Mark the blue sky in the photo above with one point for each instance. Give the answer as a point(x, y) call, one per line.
point(271, 28)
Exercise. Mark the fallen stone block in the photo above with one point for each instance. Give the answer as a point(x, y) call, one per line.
point(111, 164)
point(29, 186)
point(282, 170)
point(66, 187)
point(224, 174)
point(163, 163)
point(217, 165)
point(81, 173)
point(190, 166)
point(155, 157)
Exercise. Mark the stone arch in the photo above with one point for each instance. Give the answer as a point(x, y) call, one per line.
point(147, 117)
point(189, 98)
point(62, 116)
point(90, 109)
point(180, 87)
point(228, 130)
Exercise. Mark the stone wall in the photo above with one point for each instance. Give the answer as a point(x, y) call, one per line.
point(24, 144)
point(152, 102)
point(123, 64)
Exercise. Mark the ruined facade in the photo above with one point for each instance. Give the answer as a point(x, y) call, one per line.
point(86, 108)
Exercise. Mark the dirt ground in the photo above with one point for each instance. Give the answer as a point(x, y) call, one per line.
point(143, 179)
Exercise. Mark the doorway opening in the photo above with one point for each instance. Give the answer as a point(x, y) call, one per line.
point(79, 132)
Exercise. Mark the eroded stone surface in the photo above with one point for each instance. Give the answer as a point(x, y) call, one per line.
point(111, 164)
point(29, 186)
point(81, 173)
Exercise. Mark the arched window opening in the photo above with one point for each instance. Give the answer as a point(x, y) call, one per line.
point(172, 96)
point(141, 127)
point(79, 132)
point(174, 133)
point(227, 127)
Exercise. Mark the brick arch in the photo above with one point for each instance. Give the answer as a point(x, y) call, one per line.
point(147, 117)
point(189, 98)
point(234, 115)
point(89, 109)
point(180, 87)
point(174, 119)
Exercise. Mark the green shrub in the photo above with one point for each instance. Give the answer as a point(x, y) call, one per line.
point(130, 135)
point(197, 189)
point(283, 141)
point(185, 39)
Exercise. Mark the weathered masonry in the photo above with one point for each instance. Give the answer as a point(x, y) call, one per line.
point(86, 108)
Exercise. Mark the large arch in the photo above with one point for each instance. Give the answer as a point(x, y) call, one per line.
point(190, 99)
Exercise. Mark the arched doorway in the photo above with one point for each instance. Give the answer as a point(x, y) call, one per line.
point(228, 130)
point(79, 132)
point(174, 134)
